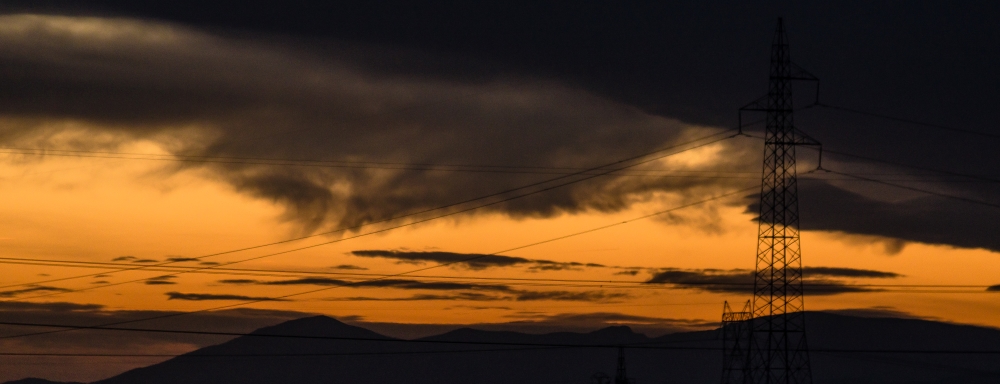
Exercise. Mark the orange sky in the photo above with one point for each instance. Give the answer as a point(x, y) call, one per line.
point(98, 209)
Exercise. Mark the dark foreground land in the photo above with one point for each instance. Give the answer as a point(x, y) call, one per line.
point(838, 343)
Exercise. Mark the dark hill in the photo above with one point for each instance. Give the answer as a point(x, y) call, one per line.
point(37, 381)
point(381, 360)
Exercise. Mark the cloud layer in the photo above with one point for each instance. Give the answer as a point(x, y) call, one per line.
point(391, 109)
point(474, 261)
point(198, 94)
point(452, 290)
point(815, 280)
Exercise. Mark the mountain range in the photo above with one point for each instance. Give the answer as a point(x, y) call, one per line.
point(320, 349)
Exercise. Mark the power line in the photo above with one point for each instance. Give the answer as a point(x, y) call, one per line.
point(983, 178)
point(436, 278)
point(918, 364)
point(247, 302)
point(652, 345)
point(269, 355)
point(953, 197)
point(444, 167)
point(991, 179)
point(400, 225)
point(712, 174)
point(908, 121)
point(344, 229)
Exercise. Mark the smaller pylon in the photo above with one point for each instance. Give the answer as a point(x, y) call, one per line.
point(600, 378)
point(621, 377)
point(735, 343)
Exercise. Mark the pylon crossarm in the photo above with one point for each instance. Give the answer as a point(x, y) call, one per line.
point(760, 105)
point(801, 74)
point(801, 138)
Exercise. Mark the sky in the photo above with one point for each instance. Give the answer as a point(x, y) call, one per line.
point(418, 167)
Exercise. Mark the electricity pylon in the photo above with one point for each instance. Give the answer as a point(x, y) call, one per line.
point(776, 350)
point(621, 377)
point(735, 335)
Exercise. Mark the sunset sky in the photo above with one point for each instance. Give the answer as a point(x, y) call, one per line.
point(141, 143)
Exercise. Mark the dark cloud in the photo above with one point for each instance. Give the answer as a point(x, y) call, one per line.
point(847, 272)
point(469, 260)
point(436, 285)
point(474, 261)
point(15, 306)
point(815, 281)
point(863, 209)
point(740, 281)
point(547, 265)
point(181, 259)
point(465, 296)
point(163, 82)
point(591, 296)
point(133, 259)
point(161, 280)
point(520, 93)
point(507, 295)
point(382, 283)
point(497, 292)
point(215, 297)
point(349, 267)
point(32, 289)
point(482, 308)
point(993, 288)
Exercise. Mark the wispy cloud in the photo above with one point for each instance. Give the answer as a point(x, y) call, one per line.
point(472, 291)
point(847, 272)
point(815, 280)
point(216, 297)
point(474, 261)
point(133, 259)
point(161, 280)
point(33, 289)
point(181, 259)
point(17, 306)
point(383, 283)
point(349, 267)
point(470, 296)
point(590, 296)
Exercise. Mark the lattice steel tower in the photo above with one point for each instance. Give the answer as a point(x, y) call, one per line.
point(621, 377)
point(776, 344)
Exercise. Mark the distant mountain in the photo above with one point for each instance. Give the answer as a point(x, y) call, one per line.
point(37, 381)
point(439, 360)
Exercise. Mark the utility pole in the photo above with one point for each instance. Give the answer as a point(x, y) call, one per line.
point(776, 342)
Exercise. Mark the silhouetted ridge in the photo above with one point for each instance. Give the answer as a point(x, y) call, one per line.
point(623, 332)
point(320, 326)
point(32, 380)
point(610, 335)
point(693, 359)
